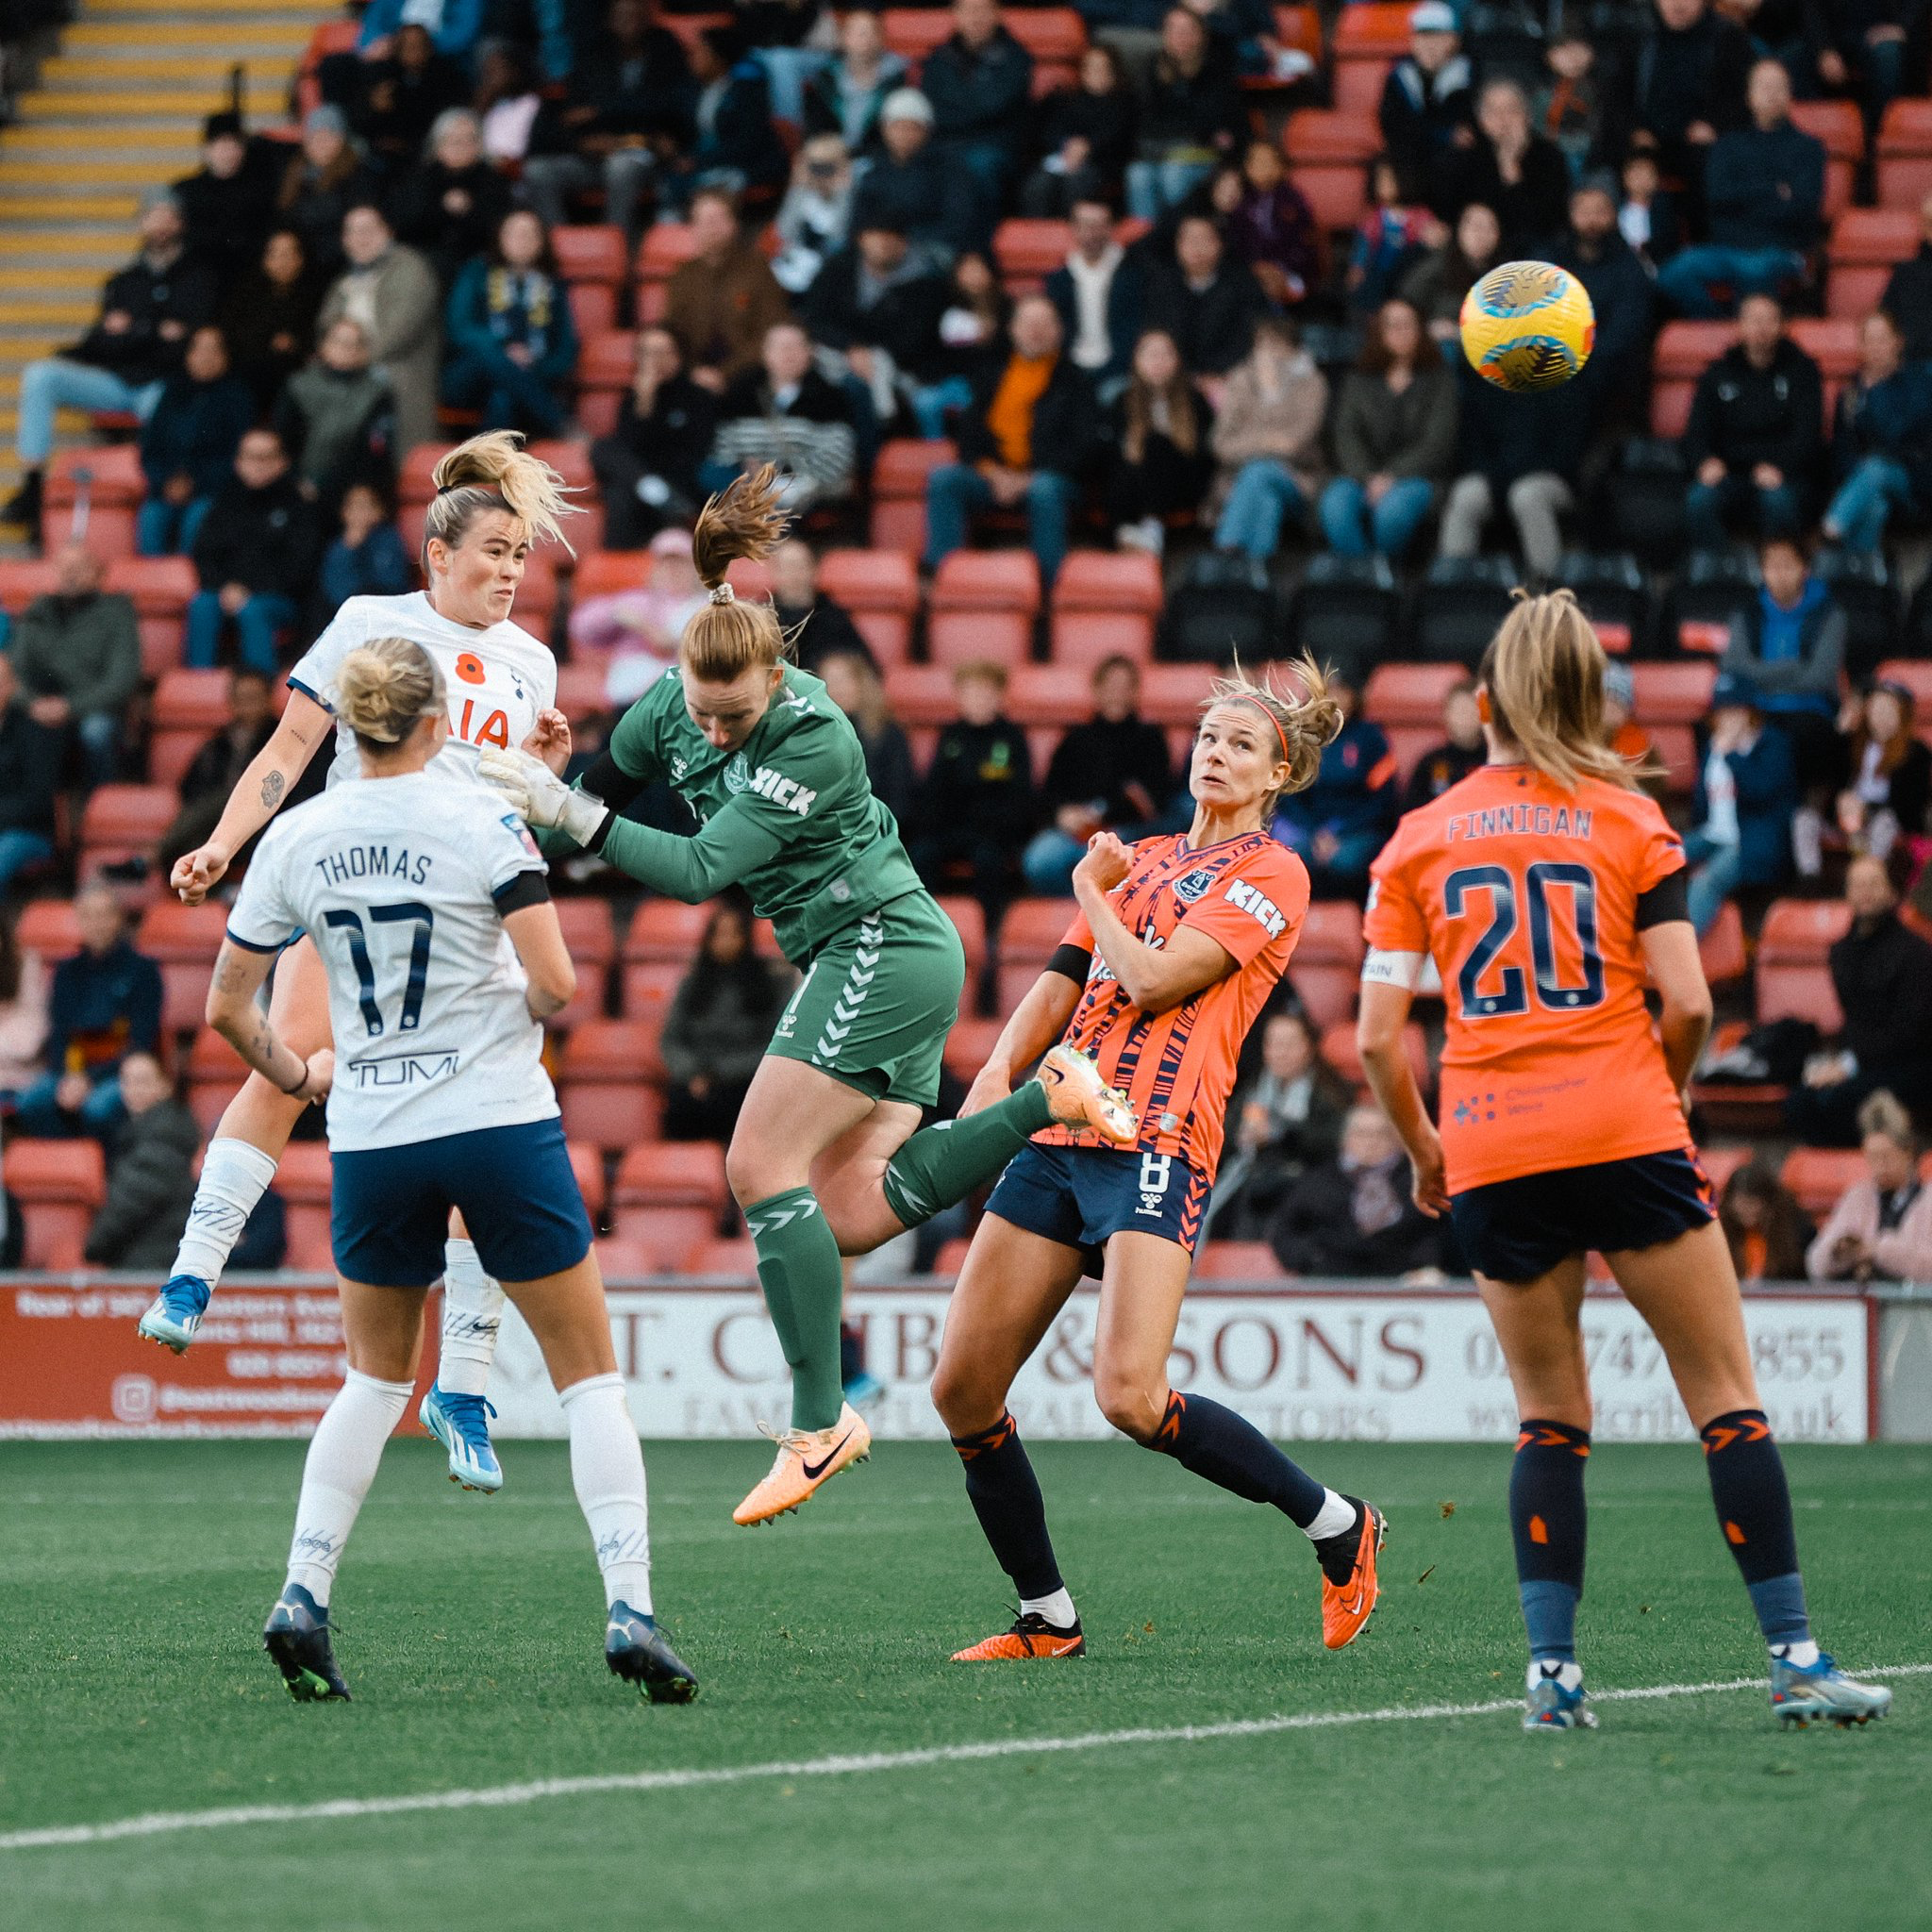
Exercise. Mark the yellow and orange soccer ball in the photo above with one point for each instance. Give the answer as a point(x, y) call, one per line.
point(1528, 325)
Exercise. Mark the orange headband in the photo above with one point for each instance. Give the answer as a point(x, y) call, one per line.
point(1249, 698)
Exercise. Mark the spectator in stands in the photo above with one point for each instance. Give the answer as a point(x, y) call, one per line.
point(365, 558)
point(1273, 229)
point(815, 217)
point(852, 683)
point(1208, 304)
point(630, 96)
point(1088, 135)
point(401, 95)
point(1391, 237)
point(878, 303)
point(1341, 820)
point(720, 1023)
point(1620, 290)
point(1099, 291)
point(227, 205)
point(785, 413)
point(256, 554)
point(506, 102)
point(977, 315)
point(1881, 1229)
point(1881, 438)
point(1789, 644)
point(1885, 776)
point(1289, 1118)
point(148, 310)
point(1882, 974)
point(1907, 297)
point(1394, 430)
point(734, 145)
point(1767, 1231)
point(1624, 734)
point(647, 467)
point(321, 180)
point(1353, 1215)
point(1461, 752)
point(449, 206)
point(1747, 789)
point(1163, 430)
point(1647, 215)
point(910, 185)
point(1519, 453)
point(454, 28)
point(1764, 194)
point(1683, 87)
point(107, 1004)
point(844, 97)
point(218, 766)
point(975, 808)
point(1022, 442)
point(514, 345)
point(1435, 286)
point(1513, 170)
point(1268, 441)
point(336, 416)
point(1568, 102)
point(77, 651)
point(150, 1173)
point(22, 990)
point(1427, 111)
point(32, 758)
point(634, 634)
point(269, 318)
point(979, 82)
point(1753, 442)
point(390, 290)
point(817, 625)
point(1111, 773)
point(721, 303)
point(1867, 50)
point(187, 445)
point(790, 39)
point(1192, 114)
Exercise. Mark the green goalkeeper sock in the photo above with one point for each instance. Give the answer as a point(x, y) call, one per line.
point(805, 1289)
point(944, 1162)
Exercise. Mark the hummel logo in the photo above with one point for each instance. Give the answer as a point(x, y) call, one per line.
point(814, 1470)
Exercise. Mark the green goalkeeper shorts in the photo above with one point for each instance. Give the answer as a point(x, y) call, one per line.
point(877, 1001)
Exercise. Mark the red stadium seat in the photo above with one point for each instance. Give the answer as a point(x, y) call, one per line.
point(1831, 341)
point(590, 939)
point(1049, 694)
point(580, 692)
point(921, 694)
point(970, 1045)
point(48, 927)
point(603, 573)
point(414, 481)
point(605, 366)
point(1722, 949)
point(123, 822)
point(1105, 605)
point(1915, 673)
point(215, 1074)
point(1841, 128)
point(1172, 693)
point(1237, 1261)
point(1682, 353)
point(592, 251)
point(879, 589)
point(603, 1083)
point(899, 477)
point(22, 579)
point(1794, 980)
point(1328, 964)
point(183, 942)
point(1410, 694)
point(1905, 154)
point(1720, 1163)
point(1027, 251)
point(109, 478)
point(1676, 746)
point(733, 1260)
point(302, 1181)
point(1672, 694)
point(1328, 152)
point(913, 32)
point(1818, 1176)
point(1340, 1050)
point(666, 930)
point(191, 701)
point(667, 1175)
point(982, 605)
point(1368, 40)
point(160, 587)
point(586, 1165)
point(1866, 244)
point(969, 917)
point(1028, 934)
point(59, 1184)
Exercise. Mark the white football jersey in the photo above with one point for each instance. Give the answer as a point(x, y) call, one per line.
point(498, 679)
point(397, 881)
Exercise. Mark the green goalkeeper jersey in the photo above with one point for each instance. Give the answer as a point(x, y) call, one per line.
point(789, 815)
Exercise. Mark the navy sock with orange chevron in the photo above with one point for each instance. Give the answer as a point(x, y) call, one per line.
point(1004, 1494)
point(1547, 1520)
point(1215, 1442)
point(1754, 1508)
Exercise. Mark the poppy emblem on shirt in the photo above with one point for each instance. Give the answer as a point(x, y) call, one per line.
point(469, 668)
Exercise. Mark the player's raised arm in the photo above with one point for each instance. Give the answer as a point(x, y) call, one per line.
point(1154, 977)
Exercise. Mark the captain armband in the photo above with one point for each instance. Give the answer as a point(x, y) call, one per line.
point(1402, 970)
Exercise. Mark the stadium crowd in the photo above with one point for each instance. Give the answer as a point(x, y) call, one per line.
point(1131, 313)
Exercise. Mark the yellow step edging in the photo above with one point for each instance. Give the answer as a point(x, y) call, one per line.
point(102, 247)
point(129, 172)
point(82, 277)
point(150, 104)
point(56, 207)
point(19, 140)
point(306, 9)
point(152, 67)
point(293, 33)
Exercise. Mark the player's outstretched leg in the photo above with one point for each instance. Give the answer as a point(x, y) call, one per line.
point(1005, 1495)
point(1754, 1509)
point(235, 1175)
point(1548, 1524)
point(343, 1455)
point(453, 1411)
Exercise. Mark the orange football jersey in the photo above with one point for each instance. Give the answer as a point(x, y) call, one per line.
point(1525, 894)
point(1250, 895)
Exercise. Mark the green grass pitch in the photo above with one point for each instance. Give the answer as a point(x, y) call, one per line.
point(134, 1578)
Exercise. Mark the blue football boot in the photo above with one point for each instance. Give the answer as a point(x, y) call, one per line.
point(1803, 1694)
point(637, 1651)
point(1554, 1706)
point(297, 1638)
point(177, 1312)
point(460, 1423)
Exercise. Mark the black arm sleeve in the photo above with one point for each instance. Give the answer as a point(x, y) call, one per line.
point(606, 779)
point(527, 889)
point(1071, 962)
point(1669, 899)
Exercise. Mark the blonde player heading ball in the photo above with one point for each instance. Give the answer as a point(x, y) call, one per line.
point(493, 502)
point(441, 957)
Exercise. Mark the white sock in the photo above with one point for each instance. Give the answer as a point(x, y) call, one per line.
point(1804, 1653)
point(234, 1177)
point(606, 1467)
point(1057, 1608)
point(1568, 1674)
point(342, 1457)
point(1336, 1514)
point(472, 1315)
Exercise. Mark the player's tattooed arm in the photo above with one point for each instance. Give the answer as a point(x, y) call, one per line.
point(232, 1011)
point(273, 786)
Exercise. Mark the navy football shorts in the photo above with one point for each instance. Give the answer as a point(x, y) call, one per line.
point(388, 1213)
point(1081, 1196)
point(1516, 1230)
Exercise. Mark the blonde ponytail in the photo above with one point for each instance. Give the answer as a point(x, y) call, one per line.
point(1305, 722)
point(384, 687)
point(1543, 671)
point(728, 638)
point(495, 472)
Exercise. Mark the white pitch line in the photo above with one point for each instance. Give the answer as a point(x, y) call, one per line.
point(161, 1823)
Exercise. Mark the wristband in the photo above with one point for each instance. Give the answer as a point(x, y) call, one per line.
point(294, 1092)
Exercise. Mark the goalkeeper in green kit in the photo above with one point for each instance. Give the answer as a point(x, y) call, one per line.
point(826, 1160)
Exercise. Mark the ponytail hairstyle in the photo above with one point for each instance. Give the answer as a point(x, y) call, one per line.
point(385, 688)
point(1303, 721)
point(495, 472)
point(728, 638)
point(1543, 672)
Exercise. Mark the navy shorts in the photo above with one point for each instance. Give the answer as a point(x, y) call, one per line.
point(1516, 1230)
point(1079, 1196)
point(388, 1210)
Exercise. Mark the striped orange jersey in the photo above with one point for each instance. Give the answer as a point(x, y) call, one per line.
point(1249, 895)
point(1526, 896)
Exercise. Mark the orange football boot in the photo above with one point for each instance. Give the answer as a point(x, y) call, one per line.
point(1079, 1098)
point(805, 1459)
point(1031, 1636)
point(1347, 1605)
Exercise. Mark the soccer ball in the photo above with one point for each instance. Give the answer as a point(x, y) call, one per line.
point(1527, 324)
